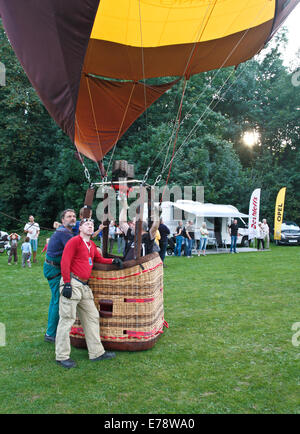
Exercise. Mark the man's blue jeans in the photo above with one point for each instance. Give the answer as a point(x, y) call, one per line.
point(163, 248)
point(233, 243)
point(179, 239)
point(203, 242)
point(188, 246)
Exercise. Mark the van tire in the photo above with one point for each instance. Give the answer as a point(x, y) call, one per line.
point(245, 242)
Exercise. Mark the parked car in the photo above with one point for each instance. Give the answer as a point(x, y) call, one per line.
point(290, 234)
point(4, 242)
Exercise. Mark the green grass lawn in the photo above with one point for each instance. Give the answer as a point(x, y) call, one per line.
point(228, 348)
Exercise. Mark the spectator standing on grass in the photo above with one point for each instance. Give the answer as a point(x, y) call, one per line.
point(190, 235)
point(130, 230)
point(233, 232)
point(163, 242)
point(111, 235)
point(128, 235)
point(266, 231)
point(52, 272)
point(120, 239)
point(260, 237)
point(32, 229)
point(179, 238)
point(197, 239)
point(76, 297)
point(13, 238)
point(26, 252)
point(98, 234)
point(75, 228)
point(203, 239)
point(156, 240)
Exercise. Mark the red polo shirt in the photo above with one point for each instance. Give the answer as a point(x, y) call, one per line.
point(79, 257)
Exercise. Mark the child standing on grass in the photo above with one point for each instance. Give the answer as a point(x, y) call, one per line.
point(26, 252)
point(13, 238)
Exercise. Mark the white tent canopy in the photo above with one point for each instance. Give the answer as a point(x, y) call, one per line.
point(206, 209)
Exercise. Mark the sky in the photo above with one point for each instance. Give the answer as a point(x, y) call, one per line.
point(293, 25)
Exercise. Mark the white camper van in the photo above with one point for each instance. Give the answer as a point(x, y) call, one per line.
point(217, 218)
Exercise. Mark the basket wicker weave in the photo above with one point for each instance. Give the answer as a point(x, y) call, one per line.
point(130, 304)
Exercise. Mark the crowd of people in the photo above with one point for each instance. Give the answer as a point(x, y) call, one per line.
point(187, 239)
point(28, 247)
point(183, 242)
point(70, 255)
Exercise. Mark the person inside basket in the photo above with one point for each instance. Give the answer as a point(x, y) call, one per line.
point(77, 261)
point(148, 236)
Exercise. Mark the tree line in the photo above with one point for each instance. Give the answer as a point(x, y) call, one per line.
point(39, 174)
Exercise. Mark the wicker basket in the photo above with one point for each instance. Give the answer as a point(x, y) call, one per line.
point(130, 304)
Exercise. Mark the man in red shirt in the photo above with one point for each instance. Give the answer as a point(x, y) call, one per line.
point(78, 258)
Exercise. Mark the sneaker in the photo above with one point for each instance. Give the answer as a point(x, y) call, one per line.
point(50, 339)
point(69, 363)
point(9, 263)
point(106, 355)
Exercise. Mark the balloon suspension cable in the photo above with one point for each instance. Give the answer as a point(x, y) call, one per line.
point(143, 67)
point(158, 179)
point(78, 156)
point(103, 173)
point(209, 10)
point(176, 136)
point(94, 118)
point(201, 117)
point(203, 91)
point(202, 27)
point(121, 125)
point(85, 169)
point(175, 127)
point(146, 176)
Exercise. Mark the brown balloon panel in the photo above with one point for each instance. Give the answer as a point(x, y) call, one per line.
point(130, 305)
point(107, 108)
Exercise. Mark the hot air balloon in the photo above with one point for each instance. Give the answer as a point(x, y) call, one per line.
point(86, 59)
point(89, 61)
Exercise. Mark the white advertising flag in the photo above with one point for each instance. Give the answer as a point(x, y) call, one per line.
point(254, 213)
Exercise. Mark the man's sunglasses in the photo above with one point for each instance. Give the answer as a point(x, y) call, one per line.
point(86, 220)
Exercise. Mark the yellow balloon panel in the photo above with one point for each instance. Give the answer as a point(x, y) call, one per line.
point(154, 23)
